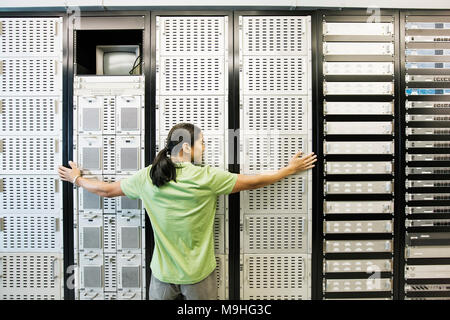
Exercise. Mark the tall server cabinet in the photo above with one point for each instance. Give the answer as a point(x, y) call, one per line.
point(426, 108)
point(275, 101)
point(31, 83)
point(358, 89)
point(108, 144)
point(192, 61)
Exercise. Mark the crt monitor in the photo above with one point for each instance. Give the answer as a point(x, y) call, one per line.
point(117, 60)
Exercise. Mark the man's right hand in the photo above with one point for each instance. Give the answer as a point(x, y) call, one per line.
point(298, 163)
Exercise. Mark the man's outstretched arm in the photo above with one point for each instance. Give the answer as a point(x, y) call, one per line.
point(101, 188)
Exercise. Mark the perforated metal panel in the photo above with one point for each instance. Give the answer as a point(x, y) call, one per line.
point(36, 76)
point(275, 233)
point(219, 234)
point(110, 271)
point(31, 36)
point(274, 35)
point(275, 121)
point(191, 35)
point(130, 154)
point(30, 232)
point(285, 114)
point(29, 155)
point(222, 276)
point(275, 75)
point(191, 75)
point(30, 194)
point(110, 234)
point(207, 112)
point(266, 275)
point(215, 153)
point(129, 271)
point(286, 196)
point(30, 116)
point(129, 230)
point(31, 276)
point(269, 151)
point(192, 86)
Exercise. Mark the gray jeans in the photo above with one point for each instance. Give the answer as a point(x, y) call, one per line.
point(203, 290)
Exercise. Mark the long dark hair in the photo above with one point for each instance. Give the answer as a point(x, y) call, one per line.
point(163, 169)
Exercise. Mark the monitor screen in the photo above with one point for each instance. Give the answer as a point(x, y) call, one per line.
point(118, 63)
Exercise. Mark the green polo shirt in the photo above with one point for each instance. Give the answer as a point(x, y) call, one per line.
point(182, 216)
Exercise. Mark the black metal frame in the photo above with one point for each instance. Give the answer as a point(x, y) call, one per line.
point(235, 225)
point(355, 15)
point(233, 123)
point(148, 119)
point(402, 152)
point(232, 111)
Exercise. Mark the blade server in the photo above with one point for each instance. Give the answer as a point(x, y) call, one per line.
point(109, 233)
point(358, 147)
point(426, 149)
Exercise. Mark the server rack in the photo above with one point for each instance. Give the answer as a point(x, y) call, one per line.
point(425, 105)
point(357, 98)
point(31, 117)
point(107, 125)
point(275, 91)
point(192, 68)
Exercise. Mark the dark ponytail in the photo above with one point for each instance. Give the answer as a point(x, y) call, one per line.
point(163, 168)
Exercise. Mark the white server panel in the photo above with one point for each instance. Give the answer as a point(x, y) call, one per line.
point(358, 48)
point(350, 226)
point(358, 147)
point(109, 233)
point(34, 116)
point(358, 88)
point(343, 246)
point(31, 276)
point(31, 83)
point(18, 154)
point(353, 28)
point(281, 233)
point(357, 108)
point(32, 194)
point(361, 187)
point(355, 207)
point(192, 86)
point(358, 167)
point(357, 285)
point(358, 68)
point(270, 276)
point(30, 233)
point(363, 265)
point(378, 127)
point(275, 123)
